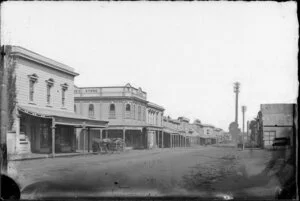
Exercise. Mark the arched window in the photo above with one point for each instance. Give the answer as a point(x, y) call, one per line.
point(112, 107)
point(127, 107)
point(127, 111)
point(91, 110)
point(112, 111)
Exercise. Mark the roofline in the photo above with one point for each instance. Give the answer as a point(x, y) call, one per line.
point(153, 105)
point(76, 99)
point(40, 59)
point(110, 87)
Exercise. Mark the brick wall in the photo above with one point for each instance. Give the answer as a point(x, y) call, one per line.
point(25, 68)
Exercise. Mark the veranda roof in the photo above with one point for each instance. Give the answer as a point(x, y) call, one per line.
point(62, 117)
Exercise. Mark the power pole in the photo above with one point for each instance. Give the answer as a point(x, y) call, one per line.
point(236, 89)
point(244, 108)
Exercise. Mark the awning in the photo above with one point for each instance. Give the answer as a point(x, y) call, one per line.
point(170, 131)
point(63, 117)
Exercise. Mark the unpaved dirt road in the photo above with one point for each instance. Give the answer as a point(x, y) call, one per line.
point(198, 171)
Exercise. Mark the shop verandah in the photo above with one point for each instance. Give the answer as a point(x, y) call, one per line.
point(173, 138)
point(134, 137)
point(47, 131)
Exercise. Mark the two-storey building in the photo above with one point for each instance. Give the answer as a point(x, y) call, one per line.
point(154, 127)
point(44, 120)
point(131, 117)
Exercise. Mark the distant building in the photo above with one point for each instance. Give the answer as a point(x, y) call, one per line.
point(171, 132)
point(131, 116)
point(219, 133)
point(44, 118)
point(208, 130)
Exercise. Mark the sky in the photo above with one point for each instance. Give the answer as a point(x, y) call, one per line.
point(185, 55)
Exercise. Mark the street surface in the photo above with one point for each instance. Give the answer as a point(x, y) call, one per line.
point(197, 171)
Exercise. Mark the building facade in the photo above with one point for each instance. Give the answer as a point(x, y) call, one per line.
point(44, 120)
point(276, 121)
point(131, 117)
point(171, 132)
point(209, 132)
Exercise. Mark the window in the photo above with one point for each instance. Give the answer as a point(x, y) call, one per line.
point(31, 90)
point(112, 111)
point(63, 97)
point(32, 80)
point(48, 94)
point(127, 111)
point(75, 109)
point(139, 112)
point(269, 137)
point(50, 83)
point(91, 111)
point(133, 111)
point(64, 88)
point(127, 107)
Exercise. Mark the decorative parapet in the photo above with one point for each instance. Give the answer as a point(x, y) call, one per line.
point(113, 91)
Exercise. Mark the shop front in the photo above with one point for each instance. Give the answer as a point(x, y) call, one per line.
point(49, 132)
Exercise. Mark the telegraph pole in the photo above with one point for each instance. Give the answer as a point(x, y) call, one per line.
point(236, 89)
point(244, 108)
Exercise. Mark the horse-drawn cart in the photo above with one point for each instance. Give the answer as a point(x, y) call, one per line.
point(108, 145)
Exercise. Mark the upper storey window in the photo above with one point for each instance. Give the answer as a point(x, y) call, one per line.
point(64, 88)
point(91, 111)
point(139, 113)
point(127, 111)
point(32, 81)
point(112, 111)
point(49, 85)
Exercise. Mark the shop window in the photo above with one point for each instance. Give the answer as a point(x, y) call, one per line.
point(91, 111)
point(112, 111)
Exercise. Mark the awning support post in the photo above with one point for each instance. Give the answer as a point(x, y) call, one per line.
point(83, 132)
point(162, 139)
point(53, 137)
point(88, 132)
point(123, 134)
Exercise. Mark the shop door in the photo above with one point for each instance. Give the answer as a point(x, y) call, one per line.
point(269, 138)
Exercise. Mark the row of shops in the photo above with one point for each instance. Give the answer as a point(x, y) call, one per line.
point(53, 116)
